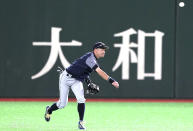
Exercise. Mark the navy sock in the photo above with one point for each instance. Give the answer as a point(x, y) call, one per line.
point(52, 108)
point(81, 109)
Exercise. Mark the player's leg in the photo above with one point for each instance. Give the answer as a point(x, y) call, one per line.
point(63, 100)
point(78, 91)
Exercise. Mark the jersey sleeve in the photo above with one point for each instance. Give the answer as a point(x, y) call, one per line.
point(91, 62)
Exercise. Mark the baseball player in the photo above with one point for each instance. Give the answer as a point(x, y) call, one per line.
point(73, 78)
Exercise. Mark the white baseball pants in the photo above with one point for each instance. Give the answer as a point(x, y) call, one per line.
point(65, 83)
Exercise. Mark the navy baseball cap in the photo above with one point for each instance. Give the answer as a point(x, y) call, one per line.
point(100, 45)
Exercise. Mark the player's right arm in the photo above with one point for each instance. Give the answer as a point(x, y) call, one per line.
point(107, 77)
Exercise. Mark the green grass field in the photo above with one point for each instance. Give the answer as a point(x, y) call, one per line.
point(99, 116)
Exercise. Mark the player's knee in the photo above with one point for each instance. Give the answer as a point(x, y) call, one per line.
point(61, 105)
point(81, 100)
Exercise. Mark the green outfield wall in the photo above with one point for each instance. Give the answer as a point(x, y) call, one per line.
point(150, 55)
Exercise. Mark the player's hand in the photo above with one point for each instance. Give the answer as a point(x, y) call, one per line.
point(115, 84)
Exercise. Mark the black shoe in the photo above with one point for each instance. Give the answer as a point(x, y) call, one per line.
point(47, 115)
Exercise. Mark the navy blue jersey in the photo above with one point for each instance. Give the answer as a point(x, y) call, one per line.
point(83, 66)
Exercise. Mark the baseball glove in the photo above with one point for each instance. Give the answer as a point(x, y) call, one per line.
point(92, 89)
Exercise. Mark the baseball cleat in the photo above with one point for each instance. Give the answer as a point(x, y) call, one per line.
point(47, 115)
point(81, 125)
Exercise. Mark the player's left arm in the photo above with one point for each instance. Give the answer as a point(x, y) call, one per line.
point(107, 77)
